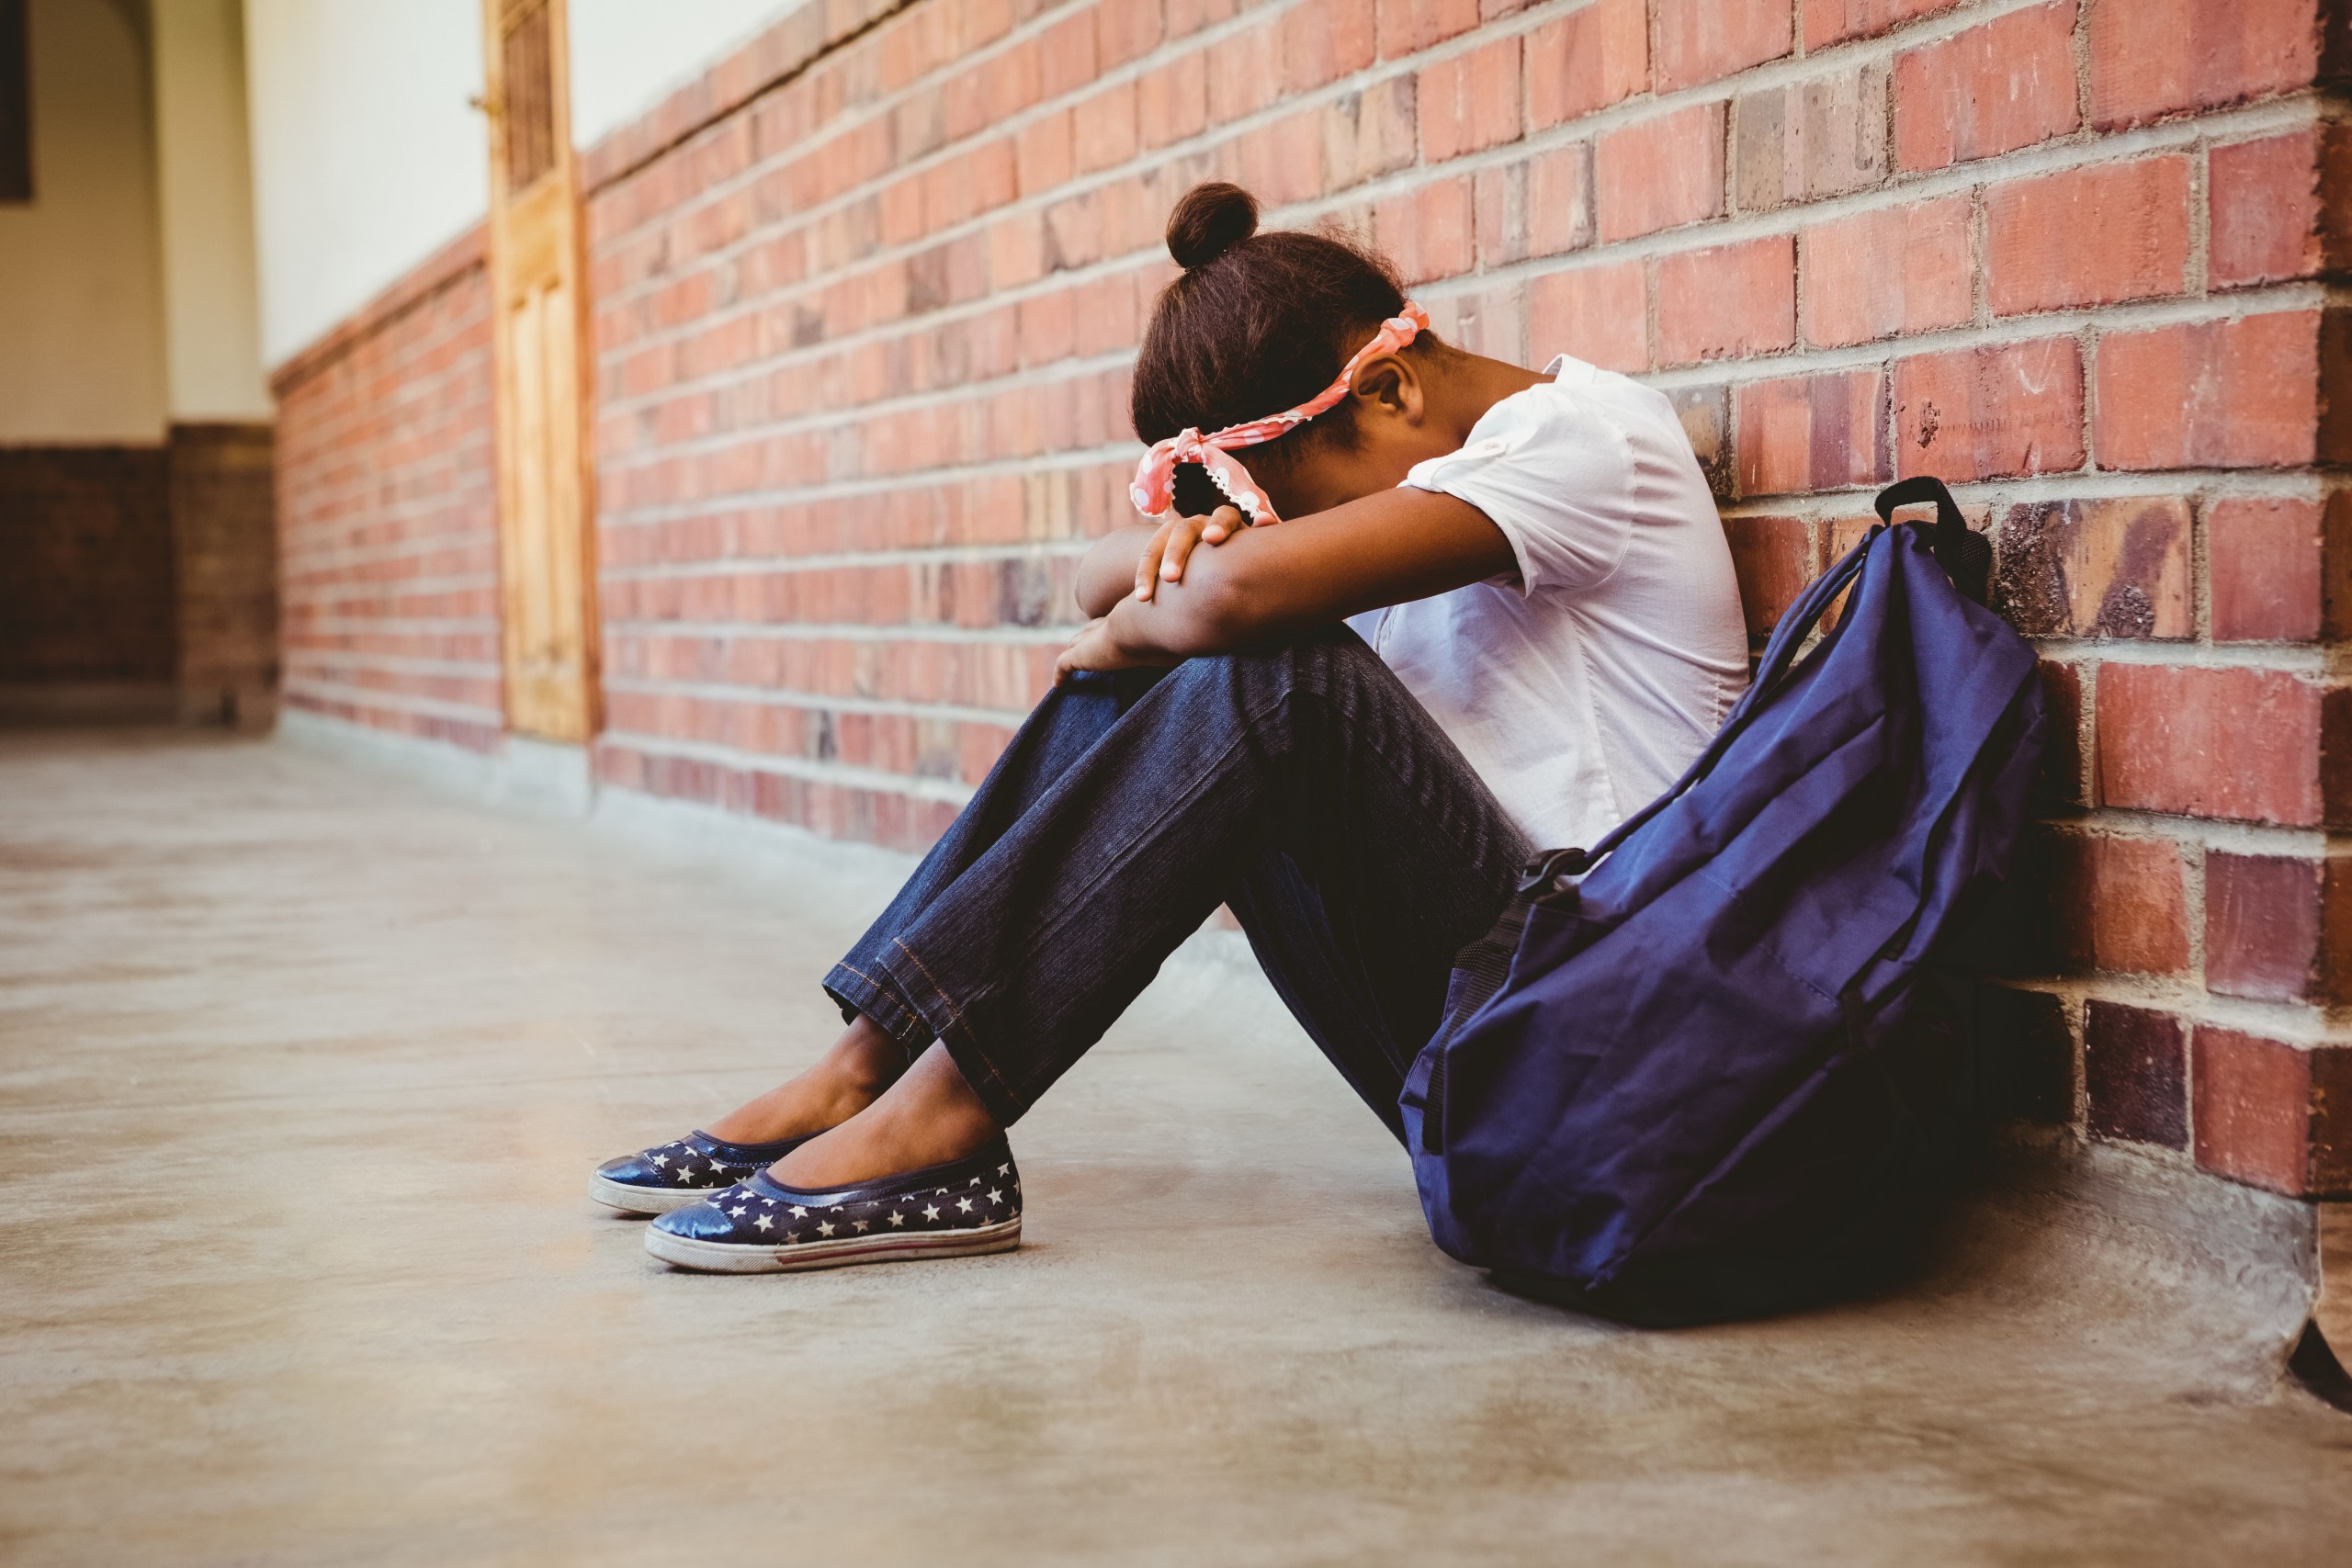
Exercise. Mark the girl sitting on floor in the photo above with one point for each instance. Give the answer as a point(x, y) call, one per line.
point(1498, 613)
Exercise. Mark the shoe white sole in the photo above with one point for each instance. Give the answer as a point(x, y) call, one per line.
point(735, 1257)
point(646, 1199)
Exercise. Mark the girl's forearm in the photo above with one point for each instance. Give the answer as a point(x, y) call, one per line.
point(1107, 574)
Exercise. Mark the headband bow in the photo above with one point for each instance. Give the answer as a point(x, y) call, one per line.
point(1154, 489)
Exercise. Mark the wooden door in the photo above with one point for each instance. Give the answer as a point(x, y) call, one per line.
point(546, 543)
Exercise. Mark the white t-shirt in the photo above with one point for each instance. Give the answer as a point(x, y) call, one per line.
point(1582, 690)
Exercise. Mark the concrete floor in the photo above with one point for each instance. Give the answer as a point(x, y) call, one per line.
point(305, 1068)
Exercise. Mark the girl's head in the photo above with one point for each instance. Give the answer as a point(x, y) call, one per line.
point(1259, 323)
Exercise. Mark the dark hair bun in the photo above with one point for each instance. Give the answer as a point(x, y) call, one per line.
point(1211, 220)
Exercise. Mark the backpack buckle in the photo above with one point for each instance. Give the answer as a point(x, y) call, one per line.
point(1548, 872)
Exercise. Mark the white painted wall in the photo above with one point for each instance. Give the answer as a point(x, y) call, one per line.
point(211, 321)
point(367, 156)
point(627, 55)
point(81, 313)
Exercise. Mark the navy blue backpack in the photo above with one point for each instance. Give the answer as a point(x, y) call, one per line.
point(1721, 1063)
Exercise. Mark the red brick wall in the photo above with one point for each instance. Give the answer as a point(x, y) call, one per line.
point(866, 297)
point(388, 512)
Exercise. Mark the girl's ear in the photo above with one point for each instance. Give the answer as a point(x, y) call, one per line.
point(1390, 385)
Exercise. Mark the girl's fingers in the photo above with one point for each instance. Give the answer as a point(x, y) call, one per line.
point(1148, 564)
point(1181, 541)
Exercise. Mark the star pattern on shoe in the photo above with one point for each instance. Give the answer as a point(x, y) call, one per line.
point(745, 1215)
point(693, 1164)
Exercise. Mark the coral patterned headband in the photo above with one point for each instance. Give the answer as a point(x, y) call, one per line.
point(1154, 488)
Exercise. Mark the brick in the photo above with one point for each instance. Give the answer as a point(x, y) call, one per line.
point(2093, 236)
point(1559, 200)
point(1429, 232)
point(2115, 904)
point(1245, 73)
point(1186, 18)
point(1325, 40)
point(1408, 27)
point(1596, 313)
point(1172, 101)
point(1281, 162)
point(1660, 173)
point(2153, 58)
point(1046, 155)
point(1811, 433)
point(1068, 58)
point(1470, 102)
point(1994, 412)
point(2135, 1075)
point(1705, 41)
point(2272, 1115)
point(2230, 744)
point(1728, 302)
point(1993, 89)
point(1587, 61)
point(1500, 196)
point(1128, 29)
point(1369, 133)
point(2280, 208)
point(2209, 394)
point(2278, 928)
point(1835, 21)
point(1774, 559)
point(1809, 140)
point(1897, 271)
point(1104, 129)
point(1705, 413)
point(2062, 780)
point(2106, 569)
point(2264, 560)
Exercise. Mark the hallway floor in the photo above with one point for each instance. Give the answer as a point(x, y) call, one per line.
point(304, 1070)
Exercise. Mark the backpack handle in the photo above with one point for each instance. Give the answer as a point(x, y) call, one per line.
point(1965, 555)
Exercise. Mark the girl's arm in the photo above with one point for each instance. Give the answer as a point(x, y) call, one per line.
point(1140, 557)
point(1385, 549)
point(1108, 574)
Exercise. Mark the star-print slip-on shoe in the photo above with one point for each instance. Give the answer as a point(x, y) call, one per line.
point(760, 1226)
point(656, 1180)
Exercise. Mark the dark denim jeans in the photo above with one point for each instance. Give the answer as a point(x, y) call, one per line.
point(1301, 784)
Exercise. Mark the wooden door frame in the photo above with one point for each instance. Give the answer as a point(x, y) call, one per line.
point(558, 186)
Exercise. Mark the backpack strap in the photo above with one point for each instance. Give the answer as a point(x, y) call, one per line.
point(1966, 556)
point(1795, 625)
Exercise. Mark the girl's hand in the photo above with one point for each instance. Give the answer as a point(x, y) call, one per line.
point(1095, 648)
point(1163, 559)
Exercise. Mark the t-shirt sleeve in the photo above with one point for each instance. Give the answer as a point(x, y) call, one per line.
point(1556, 474)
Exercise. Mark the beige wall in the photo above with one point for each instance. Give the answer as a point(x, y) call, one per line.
point(80, 312)
point(367, 155)
point(627, 55)
point(212, 333)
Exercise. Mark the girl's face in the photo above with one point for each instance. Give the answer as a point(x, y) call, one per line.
point(1400, 421)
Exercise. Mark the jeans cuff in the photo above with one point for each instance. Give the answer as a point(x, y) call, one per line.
point(873, 992)
point(876, 989)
